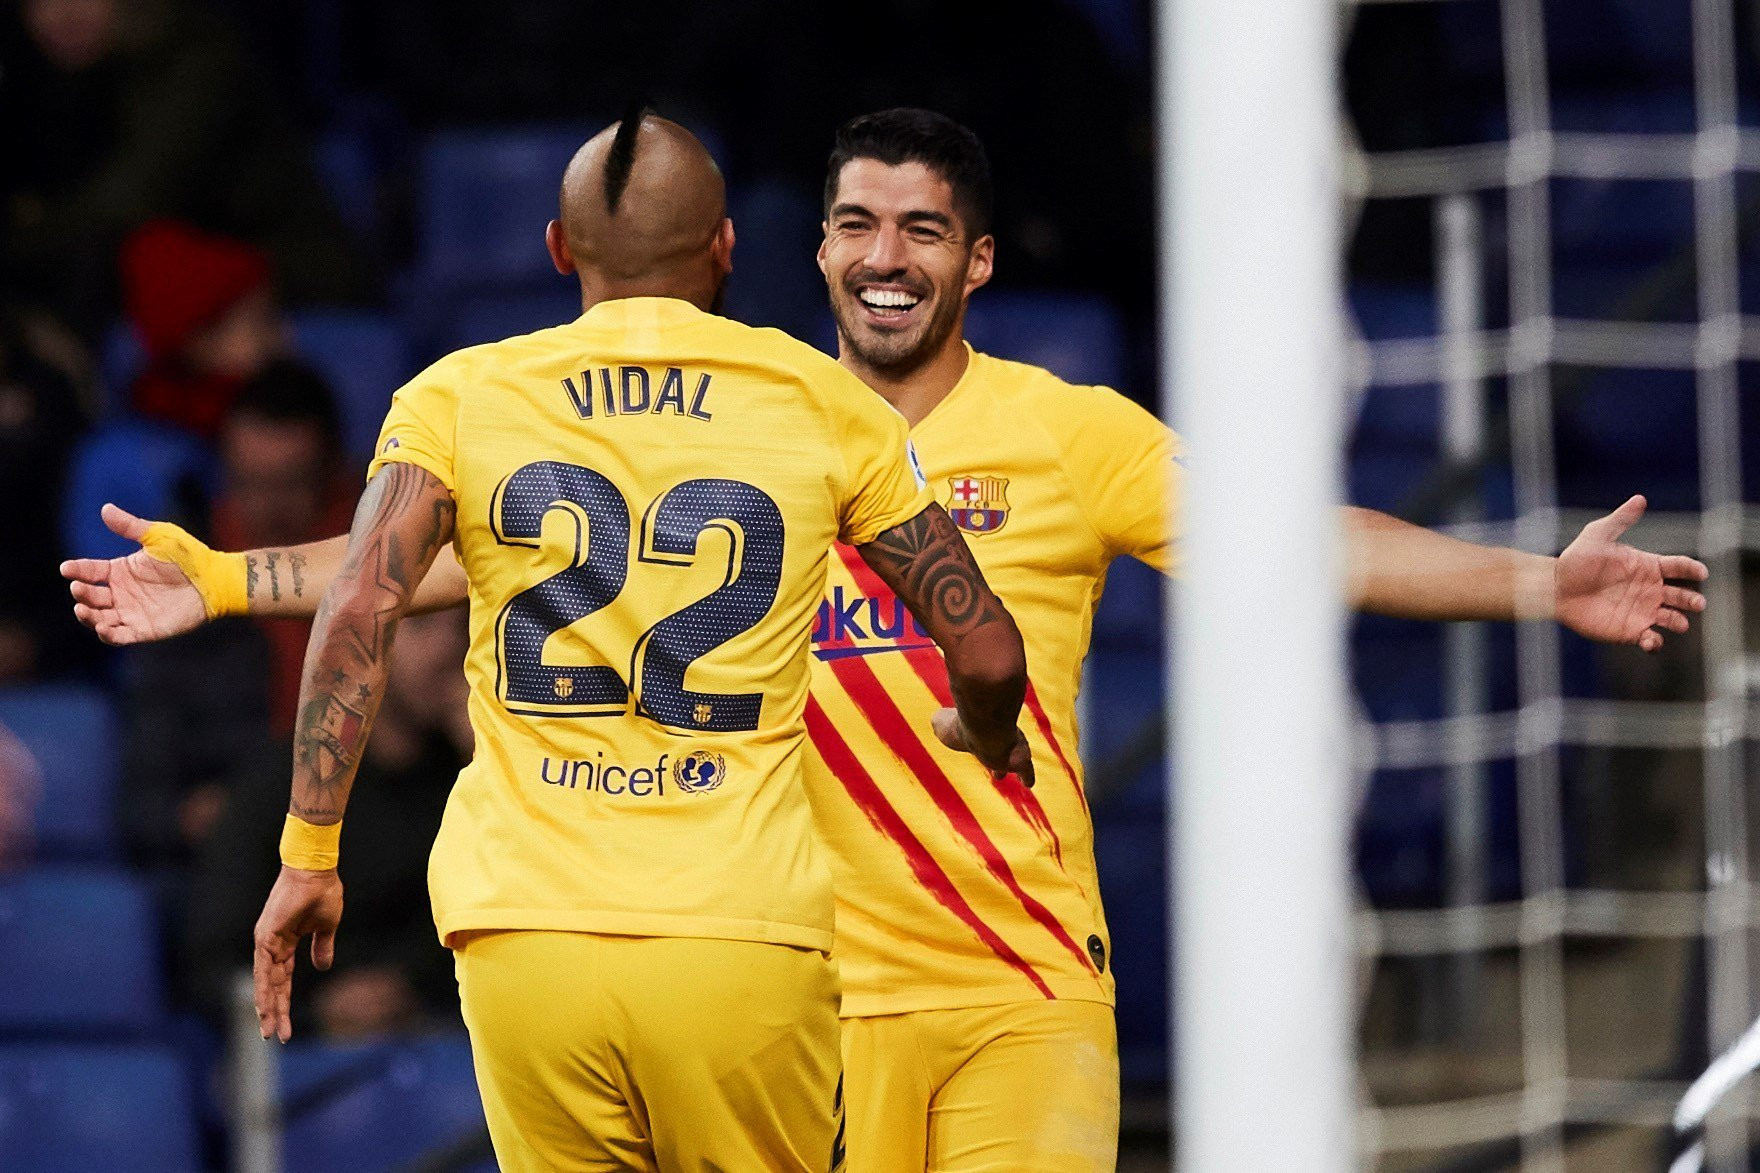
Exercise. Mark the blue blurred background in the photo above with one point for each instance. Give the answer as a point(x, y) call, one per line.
point(232, 229)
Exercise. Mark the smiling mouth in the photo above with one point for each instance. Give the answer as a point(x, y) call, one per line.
point(888, 305)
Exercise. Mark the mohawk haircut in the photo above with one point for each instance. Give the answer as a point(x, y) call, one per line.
point(622, 157)
point(909, 135)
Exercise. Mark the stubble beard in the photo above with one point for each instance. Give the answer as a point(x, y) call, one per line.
point(898, 355)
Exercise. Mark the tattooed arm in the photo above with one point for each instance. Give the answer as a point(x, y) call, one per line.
point(928, 565)
point(174, 583)
point(288, 581)
point(403, 519)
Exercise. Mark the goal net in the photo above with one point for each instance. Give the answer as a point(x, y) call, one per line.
point(1556, 838)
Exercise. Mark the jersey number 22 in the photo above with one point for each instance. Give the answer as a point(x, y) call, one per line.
point(596, 576)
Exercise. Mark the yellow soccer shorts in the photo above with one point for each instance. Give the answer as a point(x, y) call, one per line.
point(669, 1054)
point(1030, 1087)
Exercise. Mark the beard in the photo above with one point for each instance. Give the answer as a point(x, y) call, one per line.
point(895, 353)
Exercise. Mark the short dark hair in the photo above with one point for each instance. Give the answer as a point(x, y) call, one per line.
point(288, 392)
point(909, 135)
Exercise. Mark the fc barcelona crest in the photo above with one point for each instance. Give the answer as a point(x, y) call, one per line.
point(979, 504)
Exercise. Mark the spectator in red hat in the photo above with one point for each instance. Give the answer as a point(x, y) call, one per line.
point(206, 313)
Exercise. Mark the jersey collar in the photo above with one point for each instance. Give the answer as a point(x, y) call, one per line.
point(625, 312)
point(966, 379)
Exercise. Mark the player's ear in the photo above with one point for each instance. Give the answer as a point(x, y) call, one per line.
point(557, 243)
point(721, 247)
point(824, 243)
point(981, 264)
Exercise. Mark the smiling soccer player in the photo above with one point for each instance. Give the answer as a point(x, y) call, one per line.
point(976, 963)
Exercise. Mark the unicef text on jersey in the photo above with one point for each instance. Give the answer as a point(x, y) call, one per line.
point(697, 772)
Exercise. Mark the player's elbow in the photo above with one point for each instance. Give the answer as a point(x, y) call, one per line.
point(350, 604)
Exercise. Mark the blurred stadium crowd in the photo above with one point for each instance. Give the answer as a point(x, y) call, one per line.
point(228, 230)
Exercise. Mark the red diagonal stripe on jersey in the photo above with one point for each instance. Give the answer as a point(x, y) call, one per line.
point(1044, 722)
point(932, 670)
point(883, 714)
point(885, 817)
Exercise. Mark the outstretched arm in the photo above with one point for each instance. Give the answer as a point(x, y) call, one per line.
point(404, 519)
point(174, 583)
point(1599, 587)
point(928, 565)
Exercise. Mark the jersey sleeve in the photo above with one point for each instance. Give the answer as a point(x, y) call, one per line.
point(1125, 465)
point(423, 422)
point(884, 484)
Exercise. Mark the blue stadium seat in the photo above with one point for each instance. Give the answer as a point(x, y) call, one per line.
point(484, 200)
point(375, 1107)
point(1386, 309)
point(1130, 610)
point(1076, 336)
point(1633, 42)
point(775, 280)
point(1401, 852)
point(1626, 431)
point(1397, 665)
point(1131, 853)
point(120, 359)
point(75, 1109)
point(71, 731)
point(150, 469)
point(1120, 24)
point(1386, 479)
point(348, 166)
point(1635, 221)
point(1405, 419)
point(1123, 691)
point(1626, 110)
point(489, 317)
point(364, 357)
point(78, 954)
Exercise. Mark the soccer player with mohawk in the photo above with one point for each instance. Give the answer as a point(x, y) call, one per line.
point(643, 502)
point(976, 964)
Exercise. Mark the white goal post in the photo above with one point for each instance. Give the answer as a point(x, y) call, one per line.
point(1248, 151)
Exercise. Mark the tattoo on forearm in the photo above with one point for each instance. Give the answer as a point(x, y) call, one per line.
point(927, 563)
point(929, 566)
point(272, 557)
point(403, 519)
point(296, 562)
point(250, 576)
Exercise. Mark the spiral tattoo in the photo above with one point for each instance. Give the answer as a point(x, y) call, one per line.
point(928, 565)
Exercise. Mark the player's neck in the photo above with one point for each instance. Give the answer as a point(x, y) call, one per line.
point(595, 290)
point(916, 392)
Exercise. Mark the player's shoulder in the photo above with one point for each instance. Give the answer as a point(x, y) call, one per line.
point(465, 371)
point(813, 366)
point(1063, 408)
point(827, 384)
point(453, 369)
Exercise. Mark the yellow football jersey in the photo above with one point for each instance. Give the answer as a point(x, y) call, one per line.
point(647, 501)
point(955, 890)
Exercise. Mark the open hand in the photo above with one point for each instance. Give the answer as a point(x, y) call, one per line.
point(300, 904)
point(134, 599)
point(1015, 758)
point(1615, 593)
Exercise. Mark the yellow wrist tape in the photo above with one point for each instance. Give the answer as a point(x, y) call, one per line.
point(219, 577)
point(308, 846)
